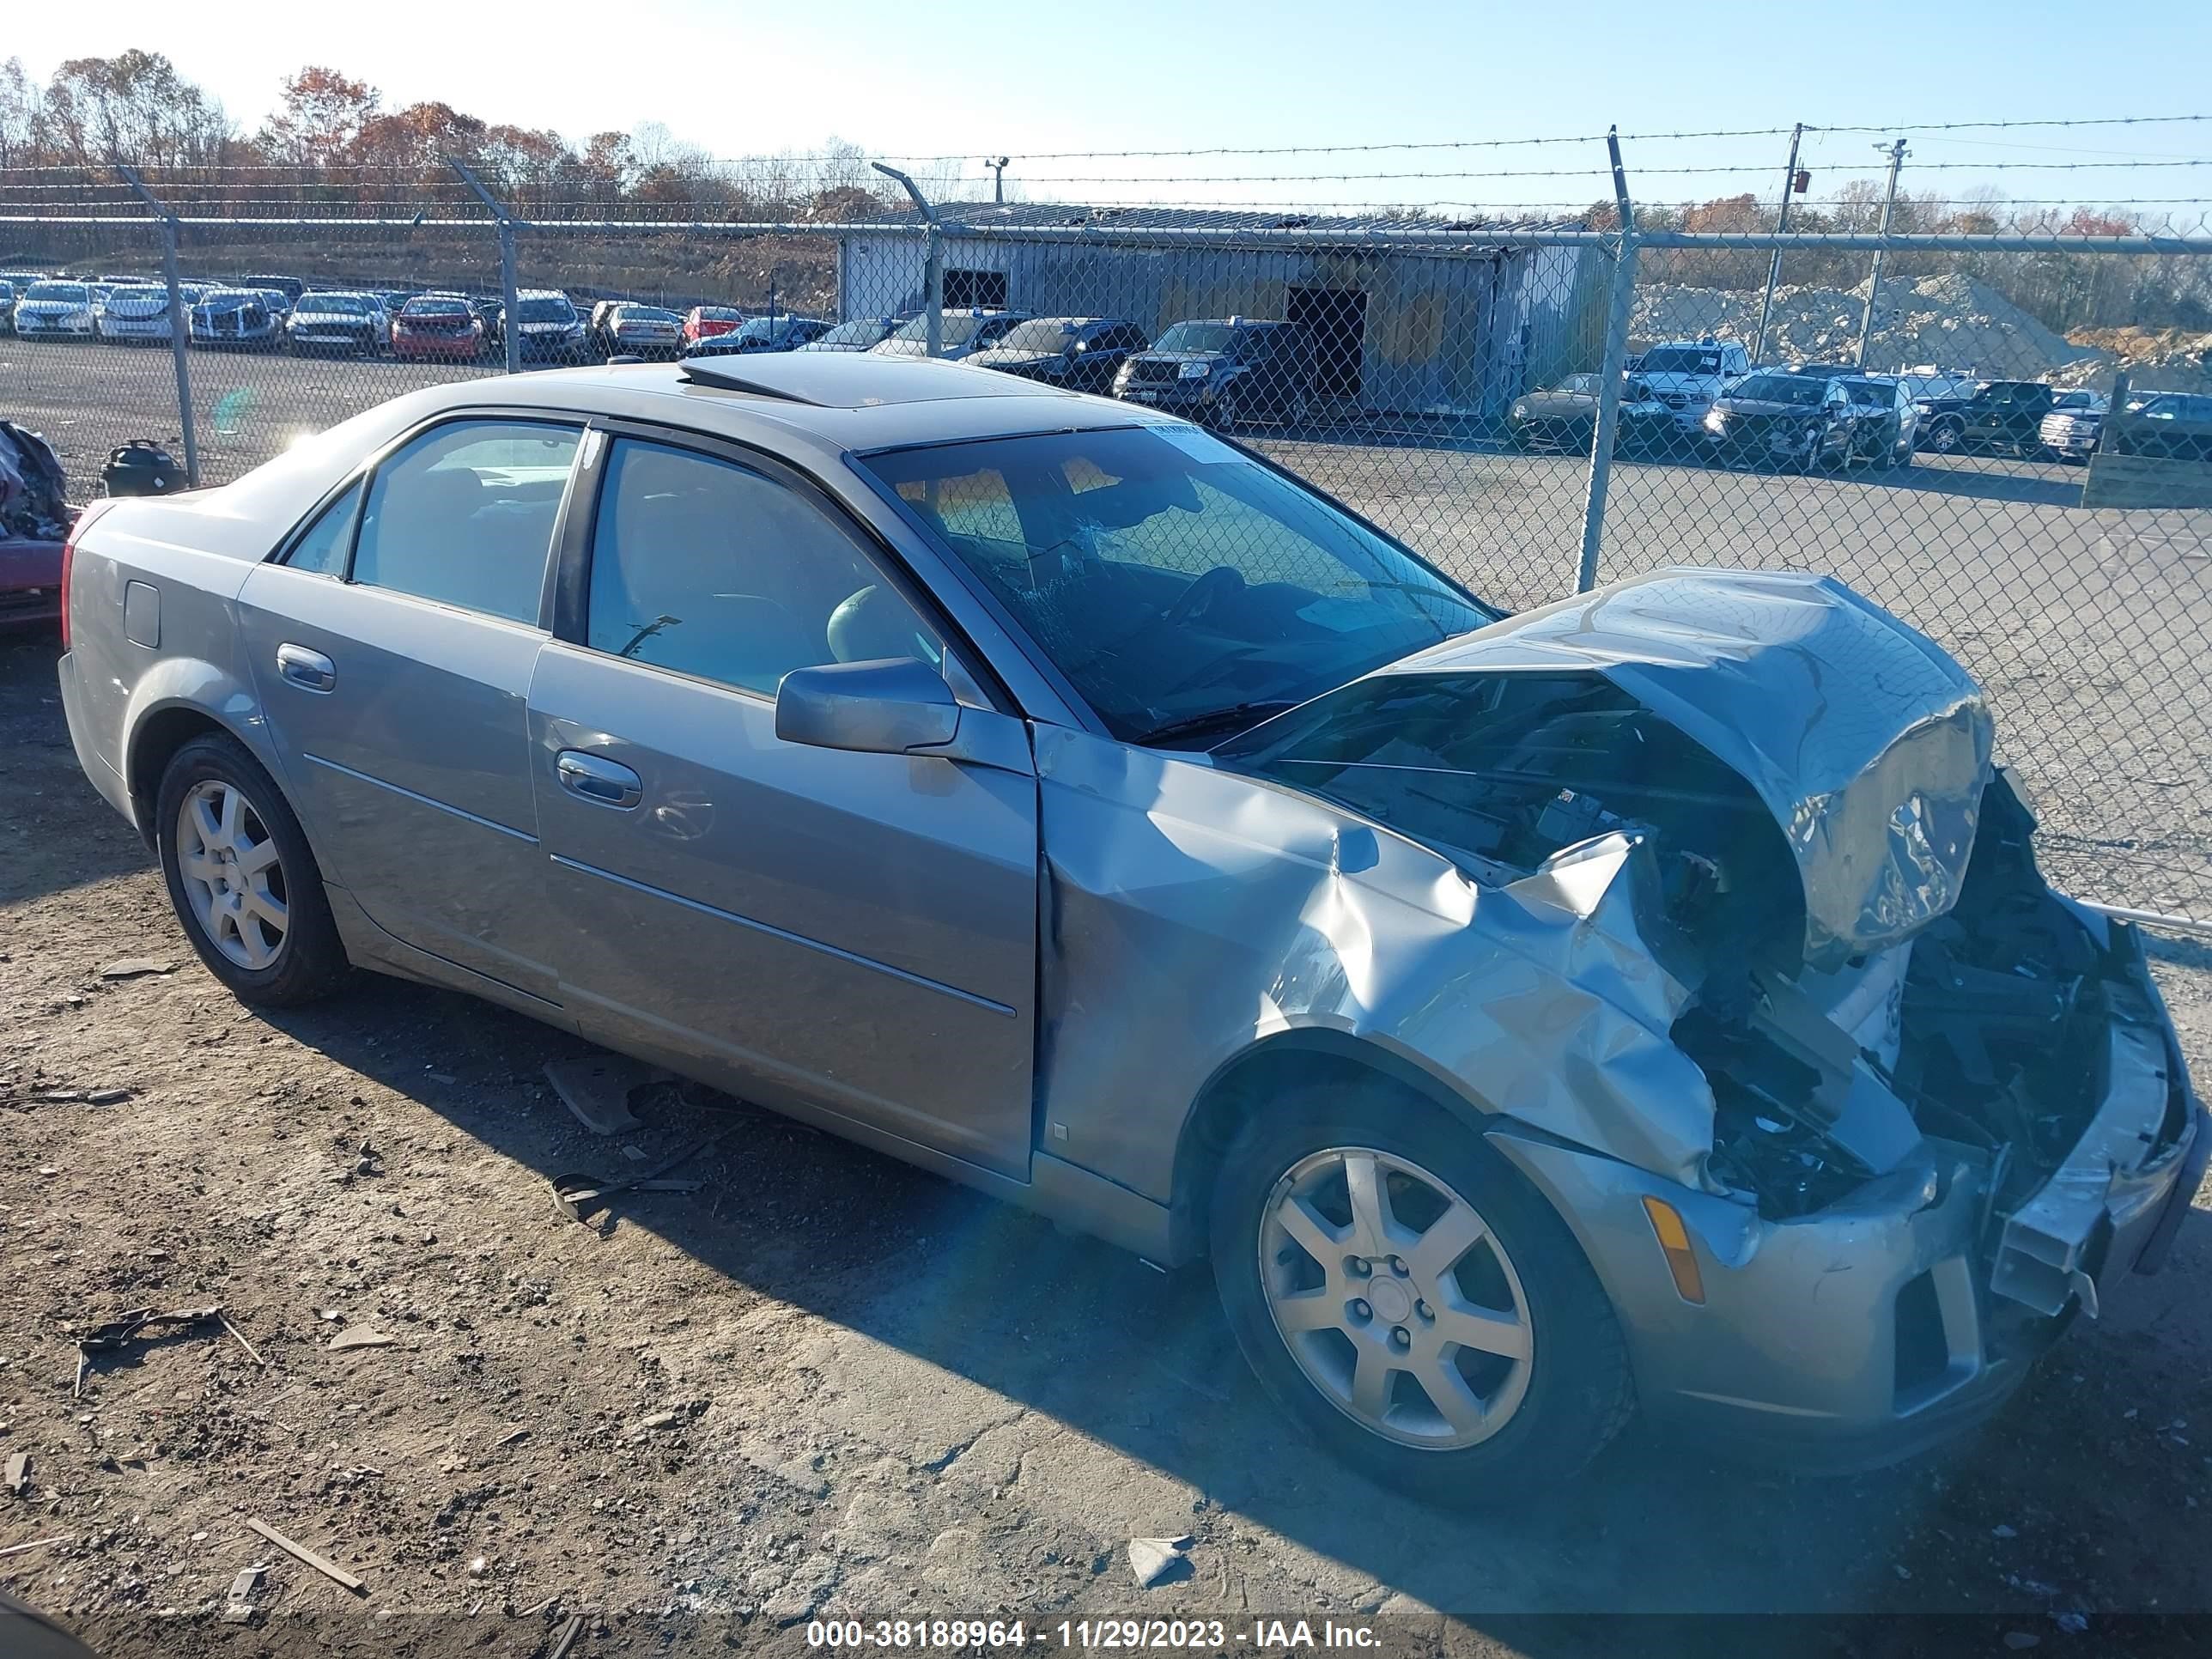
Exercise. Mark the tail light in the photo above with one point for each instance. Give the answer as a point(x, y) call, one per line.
point(84, 518)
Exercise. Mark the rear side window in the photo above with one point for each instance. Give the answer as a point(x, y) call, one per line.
point(329, 539)
point(464, 515)
point(711, 570)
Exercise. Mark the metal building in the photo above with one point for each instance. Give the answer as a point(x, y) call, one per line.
point(1415, 329)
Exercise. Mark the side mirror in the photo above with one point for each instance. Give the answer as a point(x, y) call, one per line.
point(892, 706)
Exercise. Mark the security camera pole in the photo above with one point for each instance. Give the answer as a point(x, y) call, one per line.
point(1774, 265)
point(998, 176)
point(932, 262)
point(1873, 288)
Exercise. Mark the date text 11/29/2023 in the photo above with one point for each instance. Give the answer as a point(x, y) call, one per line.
point(1277, 1635)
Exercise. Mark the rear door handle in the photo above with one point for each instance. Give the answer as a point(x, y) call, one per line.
point(311, 671)
point(597, 779)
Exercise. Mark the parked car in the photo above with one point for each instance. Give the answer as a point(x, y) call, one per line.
point(2005, 416)
point(440, 327)
point(855, 334)
point(237, 316)
point(338, 322)
point(55, 310)
point(1686, 375)
point(704, 322)
point(2173, 426)
point(1083, 353)
point(1824, 371)
point(1784, 420)
point(1889, 421)
point(1946, 404)
point(2070, 430)
point(782, 332)
point(639, 330)
point(1565, 417)
point(550, 327)
point(291, 287)
point(393, 299)
point(136, 315)
point(6, 305)
point(1224, 371)
point(1647, 1002)
point(960, 333)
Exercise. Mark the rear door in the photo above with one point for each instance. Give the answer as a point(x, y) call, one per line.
point(855, 932)
point(393, 643)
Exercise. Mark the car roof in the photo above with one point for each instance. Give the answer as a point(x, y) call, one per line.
point(827, 401)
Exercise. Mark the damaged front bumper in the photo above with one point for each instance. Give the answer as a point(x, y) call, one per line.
point(1864, 1332)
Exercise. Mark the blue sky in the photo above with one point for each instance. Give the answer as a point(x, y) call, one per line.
point(747, 78)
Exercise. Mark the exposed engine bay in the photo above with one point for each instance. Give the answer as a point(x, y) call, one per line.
point(1982, 1032)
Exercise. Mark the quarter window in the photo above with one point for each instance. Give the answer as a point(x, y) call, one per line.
point(709, 568)
point(464, 515)
point(325, 547)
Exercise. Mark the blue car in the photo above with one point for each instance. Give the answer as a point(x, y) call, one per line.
point(237, 317)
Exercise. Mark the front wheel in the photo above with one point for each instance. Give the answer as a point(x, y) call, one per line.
point(242, 878)
point(1404, 1293)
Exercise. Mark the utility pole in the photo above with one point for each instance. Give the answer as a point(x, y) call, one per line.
point(1774, 265)
point(1873, 288)
point(997, 177)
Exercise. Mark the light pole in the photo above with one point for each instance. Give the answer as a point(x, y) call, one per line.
point(1774, 265)
point(1873, 286)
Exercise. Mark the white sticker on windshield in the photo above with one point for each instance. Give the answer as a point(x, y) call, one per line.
point(1201, 445)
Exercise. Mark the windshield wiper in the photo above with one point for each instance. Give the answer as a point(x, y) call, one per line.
point(1235, 717)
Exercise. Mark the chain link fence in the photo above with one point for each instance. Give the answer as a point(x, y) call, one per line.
point(1534, 404)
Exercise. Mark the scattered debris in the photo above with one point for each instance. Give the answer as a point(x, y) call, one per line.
point(479, 1567)
point(137, 968)
point(35, 1544)
point(122, 1332)
point(567, 1636)
point(597, 1087)
point(361, 1336)
point(440, 1077)
point(238, 1607)
point(2002, 1531)
point(336, 1575)
point(578, 1194)
point(2018, 1640)
point(1153, 1559)
point(1902, 1571)
point(512, 1436)
point(657, 1420)
point(107, 1097)
point(2072, 1623)
point(19, 1472)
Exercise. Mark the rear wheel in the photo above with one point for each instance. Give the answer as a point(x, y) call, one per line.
point(1947, 437)
point(242, 878)
point(1411, 1300)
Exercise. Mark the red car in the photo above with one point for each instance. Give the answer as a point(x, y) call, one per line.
point(704, 322)
point(30, 582)
point(443, 326)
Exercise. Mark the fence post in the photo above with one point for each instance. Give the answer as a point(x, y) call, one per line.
point(510, 320)
point(932, 261)
point(180, 323)
point(1611, 370)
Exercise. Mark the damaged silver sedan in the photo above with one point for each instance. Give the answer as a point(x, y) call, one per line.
point(1649, 1000)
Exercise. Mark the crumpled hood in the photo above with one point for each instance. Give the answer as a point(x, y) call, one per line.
point(1867, 743)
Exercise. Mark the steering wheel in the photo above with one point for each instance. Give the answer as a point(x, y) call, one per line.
point(1207, 590)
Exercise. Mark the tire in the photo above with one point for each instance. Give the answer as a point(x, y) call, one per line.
point(1562, 1400)
point(1947, 437)
point(305, 959)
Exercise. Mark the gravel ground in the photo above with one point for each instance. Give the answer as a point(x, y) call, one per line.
point(823, 1384)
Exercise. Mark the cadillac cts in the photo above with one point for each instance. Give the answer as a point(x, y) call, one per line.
point(1649, 1000)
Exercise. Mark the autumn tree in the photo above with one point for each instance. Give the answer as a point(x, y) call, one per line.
point(320, 118)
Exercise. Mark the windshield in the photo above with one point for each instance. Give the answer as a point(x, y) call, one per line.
point(957, 328)
point(332, 305)
point(1168, 576)
point(1197, 336)
point(545, 311)
point(140, 295)
point(234, 296)
point(1045, 334)
point(1870, 391)
point(75, 293)
point(861, 331)
point(435, 308)
point(645, 314)
point(1680, 359)
point(1779, 389)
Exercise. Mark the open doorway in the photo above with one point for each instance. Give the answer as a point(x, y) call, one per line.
point(1335, 320)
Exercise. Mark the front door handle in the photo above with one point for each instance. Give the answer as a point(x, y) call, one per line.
point(311, 671)
point(597, 779)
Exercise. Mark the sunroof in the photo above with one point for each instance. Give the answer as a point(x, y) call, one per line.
point(852, 379)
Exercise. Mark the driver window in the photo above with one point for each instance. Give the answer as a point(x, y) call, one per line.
point(710, 569)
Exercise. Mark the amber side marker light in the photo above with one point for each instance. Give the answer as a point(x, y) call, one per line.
point(1674, 1244)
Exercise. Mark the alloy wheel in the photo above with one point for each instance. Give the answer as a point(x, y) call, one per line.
point(232, 879)
point(1395, 1298)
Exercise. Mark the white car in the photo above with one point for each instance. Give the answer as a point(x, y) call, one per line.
point(133, 315)
point(55, 310)
point(338, 322)
point(1686, 375)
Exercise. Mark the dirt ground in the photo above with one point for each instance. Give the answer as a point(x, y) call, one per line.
point(824, 1384)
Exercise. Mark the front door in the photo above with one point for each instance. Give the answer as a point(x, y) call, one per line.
point(855, 932)
point(394, 645)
